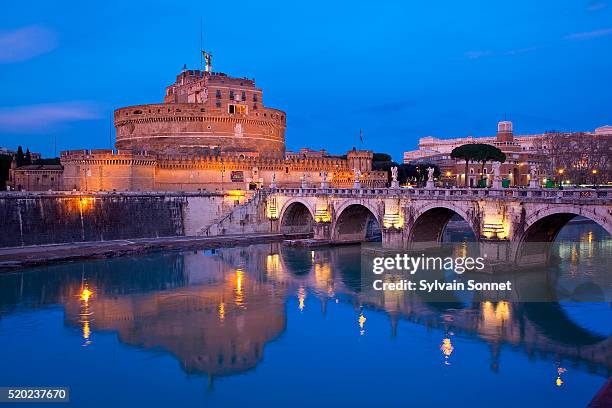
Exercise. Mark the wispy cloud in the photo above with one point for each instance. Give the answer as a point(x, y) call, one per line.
point(596, 5)
point(44, 117)
point(489, 53)
point(25, 43)
point(588, 35)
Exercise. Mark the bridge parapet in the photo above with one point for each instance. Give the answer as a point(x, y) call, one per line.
point(567, 195)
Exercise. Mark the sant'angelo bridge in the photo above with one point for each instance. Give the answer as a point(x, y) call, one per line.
point(413, 218)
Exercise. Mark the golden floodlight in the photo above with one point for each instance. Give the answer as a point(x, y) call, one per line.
point(322, 215)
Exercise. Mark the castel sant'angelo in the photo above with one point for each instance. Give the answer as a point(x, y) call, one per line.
point(212, 132)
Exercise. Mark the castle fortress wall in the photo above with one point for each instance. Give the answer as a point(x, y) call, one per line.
point(194, 128)
point(106, 170)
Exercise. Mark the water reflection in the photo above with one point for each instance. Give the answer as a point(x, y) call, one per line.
point(215, 311)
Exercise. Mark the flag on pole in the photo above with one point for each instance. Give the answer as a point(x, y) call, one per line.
point(361, 136)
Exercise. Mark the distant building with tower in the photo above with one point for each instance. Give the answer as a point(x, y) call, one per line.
point(522, 153)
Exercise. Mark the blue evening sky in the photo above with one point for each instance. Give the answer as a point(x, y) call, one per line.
point(400, 70)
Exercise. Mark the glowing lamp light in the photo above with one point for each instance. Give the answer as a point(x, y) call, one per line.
point(448, 174)
point(494, 230)
point(322, 215)
point(561, 171)
point(594, 171)
point(272, 210)
point(392, 221)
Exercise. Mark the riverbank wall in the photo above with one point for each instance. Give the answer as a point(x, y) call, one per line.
point(28, 218)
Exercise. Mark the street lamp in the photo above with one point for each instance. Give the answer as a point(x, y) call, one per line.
point(222, 173)
point(560, 172)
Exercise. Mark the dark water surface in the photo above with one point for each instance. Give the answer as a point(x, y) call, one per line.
point(272, 325)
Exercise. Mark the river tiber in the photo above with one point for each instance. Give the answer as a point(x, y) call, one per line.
point(322, 205)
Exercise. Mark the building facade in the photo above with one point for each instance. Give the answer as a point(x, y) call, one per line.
point(36, 177)
point(523, 153)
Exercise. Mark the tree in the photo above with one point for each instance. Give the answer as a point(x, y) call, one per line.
point(381, 157)
point(477, 152)
point(468, 152)
point(5, 165)
point(383, 162)
point(416, 173)
point(487, 152)
point(19, 158)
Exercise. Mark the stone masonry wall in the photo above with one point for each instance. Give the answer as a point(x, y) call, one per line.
point(45, 218)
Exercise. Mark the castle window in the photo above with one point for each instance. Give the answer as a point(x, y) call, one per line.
point(232, 108)
point(218, 104)
point(255, 97)
point(232, 95)
point(243, 96)
point(254, 106)
point(218, 94)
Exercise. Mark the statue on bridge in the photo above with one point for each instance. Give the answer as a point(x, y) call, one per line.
point(533, 177)
point(394, 182)
point(430, 177)
point(496, 174)
point(324, 180)
point(357, 183)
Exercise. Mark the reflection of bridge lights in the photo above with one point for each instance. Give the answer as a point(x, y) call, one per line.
point(301, 298)
point(502, 311)
point(323, 275)
point(273, 264)
point(86, 330)
point(239, 298)
point(362, 319)
point(221, 311)
point(447, 349)
point(559, 381)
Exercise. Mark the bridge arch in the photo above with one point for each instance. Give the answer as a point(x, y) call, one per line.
point(544, 225)
point(431, 220)
point(296, 216)
point(355, 222)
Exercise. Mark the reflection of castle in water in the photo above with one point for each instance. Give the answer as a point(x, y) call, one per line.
point(218, 325)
